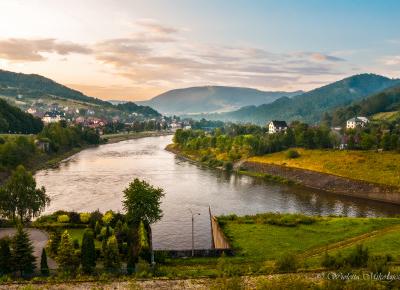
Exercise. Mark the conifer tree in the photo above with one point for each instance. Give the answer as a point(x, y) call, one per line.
point(55, 239)
point(65, 257)
point(5, 257)
point(44, 267)
point(88, 252)
point(24, 261)
point(111, 255)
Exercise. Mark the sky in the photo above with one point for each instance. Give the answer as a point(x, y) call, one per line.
point(134, 50)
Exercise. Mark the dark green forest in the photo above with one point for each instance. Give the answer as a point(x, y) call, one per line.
point(13, 120)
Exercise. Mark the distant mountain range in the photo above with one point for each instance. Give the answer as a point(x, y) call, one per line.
point(310, 106)
point(209, 99)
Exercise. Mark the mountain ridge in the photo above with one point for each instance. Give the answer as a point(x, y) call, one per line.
point(310, 106)
point(202, 99)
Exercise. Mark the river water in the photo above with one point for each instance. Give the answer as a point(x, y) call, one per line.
point(95, 178)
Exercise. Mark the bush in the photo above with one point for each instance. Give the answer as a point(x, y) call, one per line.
point(63, 218)
point(291, 154)
point(378, 264)
point(228, 166)
point(74, 217)
point(287, 263)
point(84, 217)
point(359, 257)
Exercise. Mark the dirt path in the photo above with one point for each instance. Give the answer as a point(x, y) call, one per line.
point(39, 240)
point(349, 242)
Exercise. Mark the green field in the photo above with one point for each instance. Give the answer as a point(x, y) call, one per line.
point(370, 166)
point(256, 240)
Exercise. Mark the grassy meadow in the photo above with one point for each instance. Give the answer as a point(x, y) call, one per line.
point(261, 238)
point(370, 166)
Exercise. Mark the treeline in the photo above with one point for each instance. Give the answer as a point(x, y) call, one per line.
point(13, 120)
point(16, 150)
point(381, 135)
point(136, 126)
point(235, 141)
point(386, 101)
point(131, 107)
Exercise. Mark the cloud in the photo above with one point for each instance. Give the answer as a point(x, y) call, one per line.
point(392, 60)
point(19, 49)
point(154, 26)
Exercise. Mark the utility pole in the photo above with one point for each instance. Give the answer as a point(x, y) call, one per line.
point(193, 214)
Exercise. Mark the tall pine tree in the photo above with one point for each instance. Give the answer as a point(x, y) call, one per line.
point(24, 261)
point(88, 252)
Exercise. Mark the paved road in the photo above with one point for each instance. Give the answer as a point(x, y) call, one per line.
point(39, 240)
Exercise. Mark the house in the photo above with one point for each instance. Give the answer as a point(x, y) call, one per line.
point(357, 122)
point(277, 126)
point(52, 117)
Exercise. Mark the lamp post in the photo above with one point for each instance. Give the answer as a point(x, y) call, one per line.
point(193, 214)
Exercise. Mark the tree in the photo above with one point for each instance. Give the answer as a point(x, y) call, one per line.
point(111, 255)
point(23, 258)
point(65, 257)
point(54, 242)
point(20, 200)
point(88, 252)
point(142, 202)
point(5, 257)
point(44, 267)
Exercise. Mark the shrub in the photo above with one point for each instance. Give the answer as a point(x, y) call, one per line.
point(228, 166)
point(44, 268)
point(378, 264)
point(88, 252)
point(287, 263)
point(84, 217)
point(63, 218)
point(108, 216)
point(5, 257)
point(291, 154)
point(74, 217)
point(142, 269)
point(358, 257)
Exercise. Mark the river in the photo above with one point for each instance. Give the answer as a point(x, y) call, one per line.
point(95, 178)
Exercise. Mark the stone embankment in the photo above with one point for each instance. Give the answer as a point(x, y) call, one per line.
point(327, 182)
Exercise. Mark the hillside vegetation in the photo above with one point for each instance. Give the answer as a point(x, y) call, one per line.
point(36, 86)
point(370, 166)
point(309, 107)
point(387, 101)
point(14, 120)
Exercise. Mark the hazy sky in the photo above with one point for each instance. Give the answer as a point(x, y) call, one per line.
point(116, 49)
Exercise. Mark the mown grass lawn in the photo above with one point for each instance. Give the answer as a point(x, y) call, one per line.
point(371, 166)
point(257, 241)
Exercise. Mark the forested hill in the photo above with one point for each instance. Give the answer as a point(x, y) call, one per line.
point(14, 120)
point(385, 101)
point(309, 107)
point(36, 86)
point(130, 107)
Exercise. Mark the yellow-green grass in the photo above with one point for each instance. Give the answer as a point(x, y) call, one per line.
point(370, 166)
point(387, 243)
point(386, 116)
point(255, 241)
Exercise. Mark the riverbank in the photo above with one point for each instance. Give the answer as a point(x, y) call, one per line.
point(278, 168)
point(114, 138)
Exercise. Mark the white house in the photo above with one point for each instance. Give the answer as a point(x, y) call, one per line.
point(356, 122)
point(277, 126)
point(52, 117)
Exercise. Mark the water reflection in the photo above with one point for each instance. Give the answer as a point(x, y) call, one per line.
point(94, 179)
